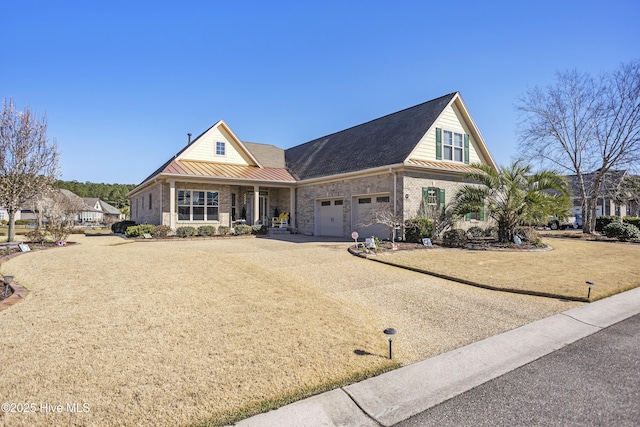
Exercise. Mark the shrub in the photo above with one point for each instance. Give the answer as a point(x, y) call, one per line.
point(186, 231)
point(417, 229)
point(140, 230)
point(491, 231)
point(475, 231)
point(603, 221)
point(621, 231)
point(162, 231)
point(24, 221)
point(455, 238)
point(633, 220)
point(4, 222)
point(241, 230)
point(37, 235)
point(206, 230)
point(223, 230)
point(529, 235)
point(121, 226)
point(259, 229)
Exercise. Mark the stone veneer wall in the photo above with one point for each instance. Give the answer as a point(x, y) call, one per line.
point(307, 195)
point(414, 182)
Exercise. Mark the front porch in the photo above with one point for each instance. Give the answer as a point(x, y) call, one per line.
point(195, 204)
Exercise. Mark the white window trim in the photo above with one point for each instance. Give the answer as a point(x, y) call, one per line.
point(191, 206)
point(224, 149)
point(454, 148)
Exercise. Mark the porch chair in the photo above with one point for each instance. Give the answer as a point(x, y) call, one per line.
point(281, 221)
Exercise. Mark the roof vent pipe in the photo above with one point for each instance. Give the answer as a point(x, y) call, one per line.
point(188, 138)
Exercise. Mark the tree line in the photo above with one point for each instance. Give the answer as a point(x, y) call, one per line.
point(114, 194)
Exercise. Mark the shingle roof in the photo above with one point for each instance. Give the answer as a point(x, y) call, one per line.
point(109, 209)
point(384, 141)
point(269, 156)
point(608, 186)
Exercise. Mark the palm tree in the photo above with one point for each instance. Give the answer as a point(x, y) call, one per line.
point(514, 196)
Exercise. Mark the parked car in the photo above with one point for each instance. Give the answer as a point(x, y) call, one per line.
point(569, 222)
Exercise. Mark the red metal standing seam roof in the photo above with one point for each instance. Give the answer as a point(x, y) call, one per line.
point(219, 170)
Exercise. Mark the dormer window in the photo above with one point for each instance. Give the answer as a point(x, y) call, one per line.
point(220, 149)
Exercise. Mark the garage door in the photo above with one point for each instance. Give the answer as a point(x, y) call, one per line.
point(330, 217)
point(363, 207)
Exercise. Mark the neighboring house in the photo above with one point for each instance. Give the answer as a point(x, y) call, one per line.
point(403, 162)
point(605, 202)
point(98, 211)
point(21, 214)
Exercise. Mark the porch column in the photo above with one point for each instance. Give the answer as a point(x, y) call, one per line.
point(292, 206)
point(172, 204)
point(256, 204)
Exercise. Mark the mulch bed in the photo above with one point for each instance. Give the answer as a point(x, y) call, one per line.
point(485, 245)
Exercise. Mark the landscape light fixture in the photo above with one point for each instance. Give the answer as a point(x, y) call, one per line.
point(389, 333)
point(7, 281)
point(590, 283)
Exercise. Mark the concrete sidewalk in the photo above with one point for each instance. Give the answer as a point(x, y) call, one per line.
point(397, 395)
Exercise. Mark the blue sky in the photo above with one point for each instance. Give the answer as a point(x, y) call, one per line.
point(122, 83)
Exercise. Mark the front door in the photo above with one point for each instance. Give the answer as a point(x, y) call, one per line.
point(262, 209)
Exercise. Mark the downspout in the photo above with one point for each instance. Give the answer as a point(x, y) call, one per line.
point(395, 199)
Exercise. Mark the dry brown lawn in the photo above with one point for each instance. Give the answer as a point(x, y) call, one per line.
point(173, 333)
point(562, 271)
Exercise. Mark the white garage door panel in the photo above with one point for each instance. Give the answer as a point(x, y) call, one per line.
point(362, 216)
point(330, 218)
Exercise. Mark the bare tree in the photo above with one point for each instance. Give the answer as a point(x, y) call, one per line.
point(28, 160)
point(57, 212)
point(383, 215)
point(628, 193)
point(61, 212)
point(583, 125)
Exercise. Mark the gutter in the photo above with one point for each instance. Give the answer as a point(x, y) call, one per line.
point(346, 175)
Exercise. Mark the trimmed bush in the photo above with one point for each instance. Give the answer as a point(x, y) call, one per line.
point(455, 238)
point(24, 221)
point(223, 230)
point(186, 231)
point(162, 231)
point(633, 220)
point(621, 231)
point(259, 229)
point(242, 230)
point(121, 226)
point(603, 221)
point(140, 230)
point(475, 231)
point(206, 230)
point(417, 229)
point(491, 231)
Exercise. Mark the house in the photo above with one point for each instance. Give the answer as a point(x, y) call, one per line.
point(403, 163)
point(606, 201)
point(98, 211)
